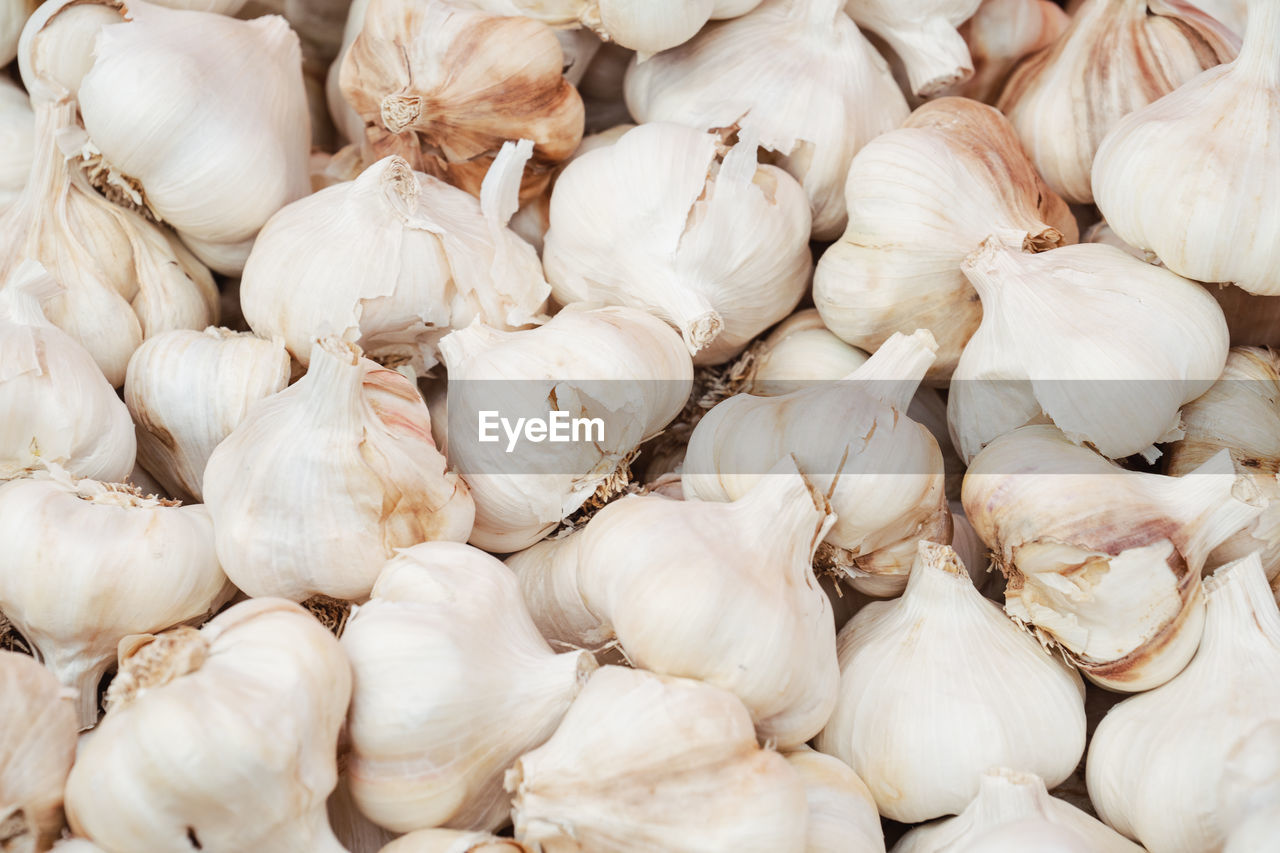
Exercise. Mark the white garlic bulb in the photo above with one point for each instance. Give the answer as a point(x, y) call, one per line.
point(1194, 223)
point(359, 437)
point(1155, 341)
point(64, 411)
point(37, 746)
point(1229, 688)
point(842, 812)
point(392, 261)
point(353, 830)
point(222, 739)
point(87, 563)
point(999, 35)
point(881, 471)
point(1249, 790)
point(448, 618)
point(722, 592)
point(17, 141)
point(920, 199)
point(13, 14)
point(188, 390)
point(942, 669)
point(620, 373)
point(823, 93)
point(923, 34)
point(717, 247)
point(799, 351)
point(453, 841)
point(647, 762)
point(1007, 798)
point(76, 845)
point(1104, 563)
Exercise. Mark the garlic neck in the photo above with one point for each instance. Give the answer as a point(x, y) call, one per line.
point(787, 513)
point(1203, 501)
point(817, 16)
point(897, 368)
point(1260, 54)
point(690, 312)
point(936, 574)
point(1007, 795)
point(1242, 620)
point(553, 682)
point(148, 661)
point(333, 383)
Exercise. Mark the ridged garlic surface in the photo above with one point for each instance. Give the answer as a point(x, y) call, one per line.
point(617, 364)
point(1116, 56)
point(721, 592)
point(1102, 562)
point(86, 564)
point(647, 762)
point(59, 406)
point(353, 830)
point(453, 683)
point(824, 93)
point(999, 35)
point(1231, 13)
point(17, 141)
point(716, 245)
point(920, 199)
point(1183, 732)
point(319, 484)
point(1217, 133)
point(392, 261)
point(842, 812)
point(453, 841)
point(222, 740)
point(881, 471)
point(938, 686)
point(923, 34)
point(1105, 346)
point(37, 747)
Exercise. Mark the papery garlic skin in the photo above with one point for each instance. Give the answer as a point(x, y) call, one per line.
point(940, 667)
point(647, 762)
point(824, 93)
point(842, 812)
point(452, 841)
point(206, 744)
point(359, 437)
point(37, 747)
point(13, 14)
point(1231, 13)
point(999, 35)
point(17, 141)
point(448, 618)
point(88, 563)
point(722, 592)
point(657, 221)
point(1231, 686)
point(920, 199)
point(923, 34)
point(60, 407)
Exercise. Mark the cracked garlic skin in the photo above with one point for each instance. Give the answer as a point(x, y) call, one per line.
point(453, 841)
point(938, 686)
point(999, 35)
point(1103, 562)
point(453, 683)
point(37, 747)
point(715, 244)
point(920, 199)
point(842, 812)
point(222, 740)
point(86, 564)
point(824, 93)
point(315, 489)
point(646, 762)
point(923, 34)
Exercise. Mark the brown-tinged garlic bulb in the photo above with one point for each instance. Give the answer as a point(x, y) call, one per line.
point(923, 34)
point(17, 141)
point(86, 564)
point(842, 812)
point(453, 841)
point(1102, 562)
point(37, 746)
point(999, 35)
point(448, 619)
point(222, 740)
point(1116, 56)
point(647, 762)
point(921, 199)
point(358, 436)
point(723, 592)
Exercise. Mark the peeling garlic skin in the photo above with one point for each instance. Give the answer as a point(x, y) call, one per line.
point(923, 34)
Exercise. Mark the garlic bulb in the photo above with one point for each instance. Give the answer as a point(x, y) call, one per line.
point(1231, 686)
point(353, 830)
point(359, 437)
point(722, 592)
point(221, 739)
point(718, 247)
point(616, 368)
point(76, 845)
point(1249, 790)
point(1007, 798)
point(823, 93)
point(920, 199)
point(1155, 341)
point(1116, 56)
point(923, 34)
point(452, 841)
point(1102, 562)
point(188, 390)
point(647, 762)
point(1194, 223)
point(448, 617)
point(881, 471)
point(69, 414)
point(799, 351)
point(942, 669)
point(444, 85)
point(999, 35)
point(37, 746)
point(88, 563)
point(13, 14)
point(1231, 13)
point(17, 141)
point(842, 812)
point(392, 261)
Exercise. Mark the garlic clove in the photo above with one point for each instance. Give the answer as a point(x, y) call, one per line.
point(842, 812)
point(56, 47)
point(353, 830)
point(999, 35)
point(799, 351)
point(453, 841)
point(923, 34)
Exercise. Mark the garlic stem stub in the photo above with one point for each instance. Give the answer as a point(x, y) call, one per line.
point(923, 34)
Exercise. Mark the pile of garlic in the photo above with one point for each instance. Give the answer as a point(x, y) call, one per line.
point(639, 426)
